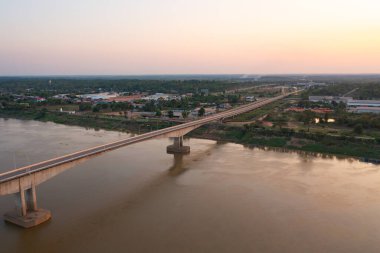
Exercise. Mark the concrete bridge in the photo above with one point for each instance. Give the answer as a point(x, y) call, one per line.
point(23, 181)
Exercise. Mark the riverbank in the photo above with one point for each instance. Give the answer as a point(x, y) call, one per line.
point(246, 135)
point(364, 149)
point(89, 121)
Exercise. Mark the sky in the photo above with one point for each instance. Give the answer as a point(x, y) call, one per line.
point(141, 37)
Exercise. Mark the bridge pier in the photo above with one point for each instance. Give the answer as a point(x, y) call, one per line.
point(178, 147)
point(26, 213)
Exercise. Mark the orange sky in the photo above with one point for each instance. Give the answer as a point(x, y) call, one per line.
point(189, 37)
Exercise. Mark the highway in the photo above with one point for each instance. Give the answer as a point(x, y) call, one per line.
point(20, 172)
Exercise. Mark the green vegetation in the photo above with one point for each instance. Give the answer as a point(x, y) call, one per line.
point(364, 90)
point(88, 121)
point(201, 112)
point(287, 138)
point(42, 87)
point(252, 115)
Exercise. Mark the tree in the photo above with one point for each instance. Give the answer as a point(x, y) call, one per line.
point(170, 114)
point(84, 107)
point(95, 109)
point(41, 114)
point(358, 129)
point(282, 121)
point(185, 114)
point(201, 112)
point(341, 108)
point(326, 117)
point(158, 113)
point(233, 99)
point(307, 118)
point(150, 106)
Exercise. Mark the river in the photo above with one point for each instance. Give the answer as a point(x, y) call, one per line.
point(223, 197)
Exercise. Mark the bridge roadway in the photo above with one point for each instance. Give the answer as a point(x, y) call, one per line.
point(30, 169)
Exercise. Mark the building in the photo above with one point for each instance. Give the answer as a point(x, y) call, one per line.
point(162, 96)
point(62, 96)
point(225, 106)
point(40, 99)
point(250, 99)
point(177, 113)
point(124, 98)
point(329, 99)
point(343, 99)
point(205, 92)
point(98, 96)
point(208, 111)
point(316, 110)
point(364, 109)
point(138, 106)
point(363, 103)
point(68, 112)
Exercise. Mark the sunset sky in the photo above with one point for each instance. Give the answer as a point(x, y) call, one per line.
point(125, 37)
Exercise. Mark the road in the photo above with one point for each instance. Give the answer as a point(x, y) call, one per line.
point(20, 172)
point(350, 92)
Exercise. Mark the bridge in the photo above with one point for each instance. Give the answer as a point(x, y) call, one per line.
point(23, 181)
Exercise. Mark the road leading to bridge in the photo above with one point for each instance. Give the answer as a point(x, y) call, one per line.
point(30, 169)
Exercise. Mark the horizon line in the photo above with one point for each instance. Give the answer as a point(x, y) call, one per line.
point(194, 74)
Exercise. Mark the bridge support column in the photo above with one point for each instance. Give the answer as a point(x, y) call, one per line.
point(26, 213)
point(178, 147)
point(31, 199)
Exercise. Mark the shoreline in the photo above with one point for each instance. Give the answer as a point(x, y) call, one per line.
point(218, 132)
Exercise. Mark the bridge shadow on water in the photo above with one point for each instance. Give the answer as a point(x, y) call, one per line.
point(181, 165)
point(178, 166)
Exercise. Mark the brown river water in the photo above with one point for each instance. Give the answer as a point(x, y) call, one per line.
point(223, 197)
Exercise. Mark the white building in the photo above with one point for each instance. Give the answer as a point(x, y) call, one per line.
point(99, 96)
point(68, 112)
point(329, 99)
point(250, 99)
point(205, 92)
point(162, 96)
point(363, 103)
point(61, 96)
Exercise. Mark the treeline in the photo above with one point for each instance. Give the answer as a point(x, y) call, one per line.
point(115, 107)
point(42, 87)
point(254, 130)
point(368, 91)
point(364, 90)
point(367, 121)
